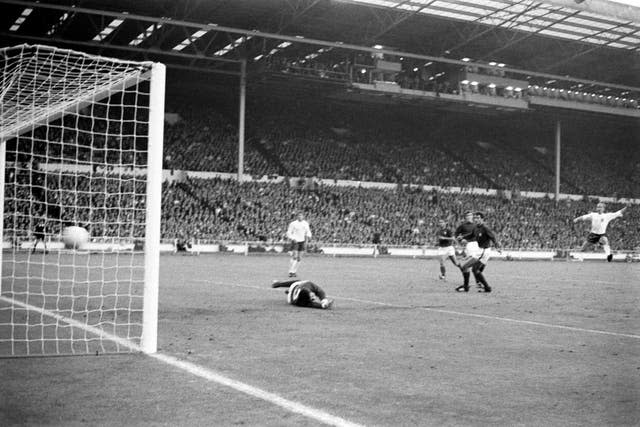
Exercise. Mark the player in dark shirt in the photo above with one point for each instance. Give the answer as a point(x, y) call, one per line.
point(485, 238)
point(376, 242)
point(465, 229)
point(304, 293)
point(464, 235)
point(445, 248)
point(39, 233)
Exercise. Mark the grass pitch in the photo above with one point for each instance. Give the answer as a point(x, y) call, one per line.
point(556, 343)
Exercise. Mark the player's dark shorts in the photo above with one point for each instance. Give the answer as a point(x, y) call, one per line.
point(38, 236)
point(594, 238)
point(297, 246)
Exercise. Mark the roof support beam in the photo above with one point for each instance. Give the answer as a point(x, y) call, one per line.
point(297, 9)
point(127, 48)
point(255, 34)
point(602, 7)
point(584, 52)
point(527, 36)
point(492, 28)
point(390, 23)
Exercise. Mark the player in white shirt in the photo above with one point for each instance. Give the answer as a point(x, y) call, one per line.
point(299, 233)
point(598, 233)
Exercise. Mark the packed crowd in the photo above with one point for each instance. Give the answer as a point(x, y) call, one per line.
point(107, 205)
point(401, 145)
point(608, 163)
point(227, 210)
point(101, 134)
point(206, 140)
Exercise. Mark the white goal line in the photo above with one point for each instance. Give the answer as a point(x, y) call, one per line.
point(92, 329)
point(202, 372)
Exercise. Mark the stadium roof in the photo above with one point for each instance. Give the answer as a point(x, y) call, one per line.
point(528, 16)
point(592, 40)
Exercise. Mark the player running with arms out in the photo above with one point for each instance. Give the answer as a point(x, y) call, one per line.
point(445, 248)
point(304, 293)
point(478, 262)
point(299, 233)
point(464, 235)
point(598, 233)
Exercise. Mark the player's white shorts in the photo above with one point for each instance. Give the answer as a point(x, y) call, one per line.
point(445, 251)
point(485, 254)
point(473, 250)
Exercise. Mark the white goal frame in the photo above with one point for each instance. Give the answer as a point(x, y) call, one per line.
point(15, 123)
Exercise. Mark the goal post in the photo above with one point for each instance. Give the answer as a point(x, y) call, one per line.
point(154, 205)
point(80, 145)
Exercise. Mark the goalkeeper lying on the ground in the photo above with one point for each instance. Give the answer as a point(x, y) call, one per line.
point(304, 293)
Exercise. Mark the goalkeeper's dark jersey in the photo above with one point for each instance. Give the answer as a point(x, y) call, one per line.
point(305, 286)
point(310, 286)
point(465, 231)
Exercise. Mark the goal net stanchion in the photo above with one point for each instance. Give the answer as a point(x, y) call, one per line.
point(80, 145)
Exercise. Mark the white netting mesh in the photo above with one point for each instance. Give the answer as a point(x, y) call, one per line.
point(76, 131)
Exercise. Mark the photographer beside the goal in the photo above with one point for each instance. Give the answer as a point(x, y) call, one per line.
point(39, 233)
point(184, 245)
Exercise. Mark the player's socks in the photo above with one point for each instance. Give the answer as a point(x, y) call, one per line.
point(480, 278)
point(443, 271)
point(282, 284)
point(465, 286)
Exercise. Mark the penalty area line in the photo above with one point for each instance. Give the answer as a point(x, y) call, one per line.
point(200, 371)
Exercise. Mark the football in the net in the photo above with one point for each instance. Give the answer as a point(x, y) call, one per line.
point(74, 237)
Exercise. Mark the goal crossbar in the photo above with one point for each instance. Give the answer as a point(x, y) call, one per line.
point(15, 119)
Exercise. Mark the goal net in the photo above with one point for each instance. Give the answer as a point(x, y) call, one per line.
point(81, 146)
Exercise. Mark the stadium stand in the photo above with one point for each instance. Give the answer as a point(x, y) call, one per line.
point(218, 210)
point(346, 142)
point(373, 143)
